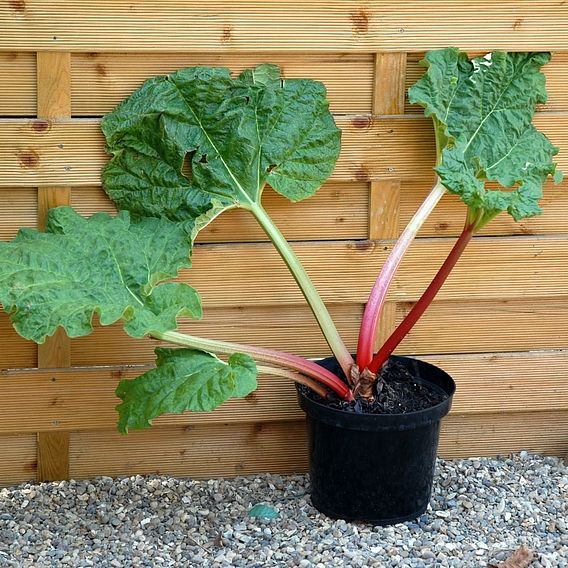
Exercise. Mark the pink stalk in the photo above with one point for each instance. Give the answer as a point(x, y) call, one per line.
point(296, 377)
point(425, 300)
point(373, 309)
point(271, 356)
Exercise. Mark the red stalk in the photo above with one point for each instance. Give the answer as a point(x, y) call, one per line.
point(425, 300)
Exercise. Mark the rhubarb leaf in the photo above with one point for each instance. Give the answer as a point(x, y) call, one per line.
point(483, 111)
point(104, 265)
point(234, 136)
point(184, 379)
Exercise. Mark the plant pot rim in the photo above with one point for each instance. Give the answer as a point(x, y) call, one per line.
point(437, 378)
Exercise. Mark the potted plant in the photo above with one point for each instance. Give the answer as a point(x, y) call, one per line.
point(189, 146)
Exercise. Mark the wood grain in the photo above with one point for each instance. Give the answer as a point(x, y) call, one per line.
point(488, 383)
point(373, 148)
point(202, 451)
point(52, 456)
point(497, 326)
point(491, 268)
point(53, 103)
point(18, 96)
point(337, 211)
point(102, 80)
point(453, 326)
point(22, 205)
point(270, 25)
point(448, 218)
point(205, 451)
point(293, 329)
point(19, 461)
point(384, 202)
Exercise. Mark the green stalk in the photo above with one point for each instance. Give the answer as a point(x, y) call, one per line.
point(308, 290)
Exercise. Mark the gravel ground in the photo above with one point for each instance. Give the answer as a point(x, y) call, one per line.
point(481, 510)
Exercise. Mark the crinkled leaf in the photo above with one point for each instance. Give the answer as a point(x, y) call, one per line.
point(184, 379)
point(105, 265)
point(482, 111)
point(236, 135)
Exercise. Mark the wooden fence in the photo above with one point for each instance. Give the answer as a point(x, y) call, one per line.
point(499, 324)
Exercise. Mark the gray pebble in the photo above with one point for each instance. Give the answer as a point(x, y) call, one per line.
point(480, 511)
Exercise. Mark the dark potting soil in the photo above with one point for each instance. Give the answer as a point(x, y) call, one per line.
point(400, 392)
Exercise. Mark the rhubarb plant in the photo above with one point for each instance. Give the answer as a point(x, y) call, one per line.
point(187, 147)
point(482, 111)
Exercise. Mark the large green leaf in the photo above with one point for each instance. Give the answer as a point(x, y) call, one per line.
point(482, 111)
point(184, 379)
point(236, 135)
point(105, 265)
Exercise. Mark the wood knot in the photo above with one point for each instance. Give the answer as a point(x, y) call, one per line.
point(117, 374)
point(227, 34)
point(251, 398)
point(18, 5)
point(28, 159)
point(362, 174)
point(361, 122)
point(41, 126)
point(518, 23)
point(101, 70)
point(360, 20)
point(362, 245)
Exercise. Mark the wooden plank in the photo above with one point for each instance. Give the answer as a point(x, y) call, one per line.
point(53, 103)
point(447, 327)
point(18, 93)
point(294, 330)
point(21, 203)
point(502, 434)
point(390, 80)
point(448, 218)
point(202, 451)
point(490, 268)
point(388, 99)
point(556, 77)
point(337, 211)
point(487, 326)
point(72, 152)
point(18, 462)
point(102, 80)
point(16, 351)
point(488, 383)
point(52, 455)
point(273, 26)
point(227, 450)
point(53, 85)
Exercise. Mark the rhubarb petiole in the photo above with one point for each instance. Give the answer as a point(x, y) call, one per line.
point(425, 300)
point(380, 289)
point(271, 356)
point(311, 295)
point(296, 377)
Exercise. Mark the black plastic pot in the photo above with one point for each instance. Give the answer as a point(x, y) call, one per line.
point(376, 468)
